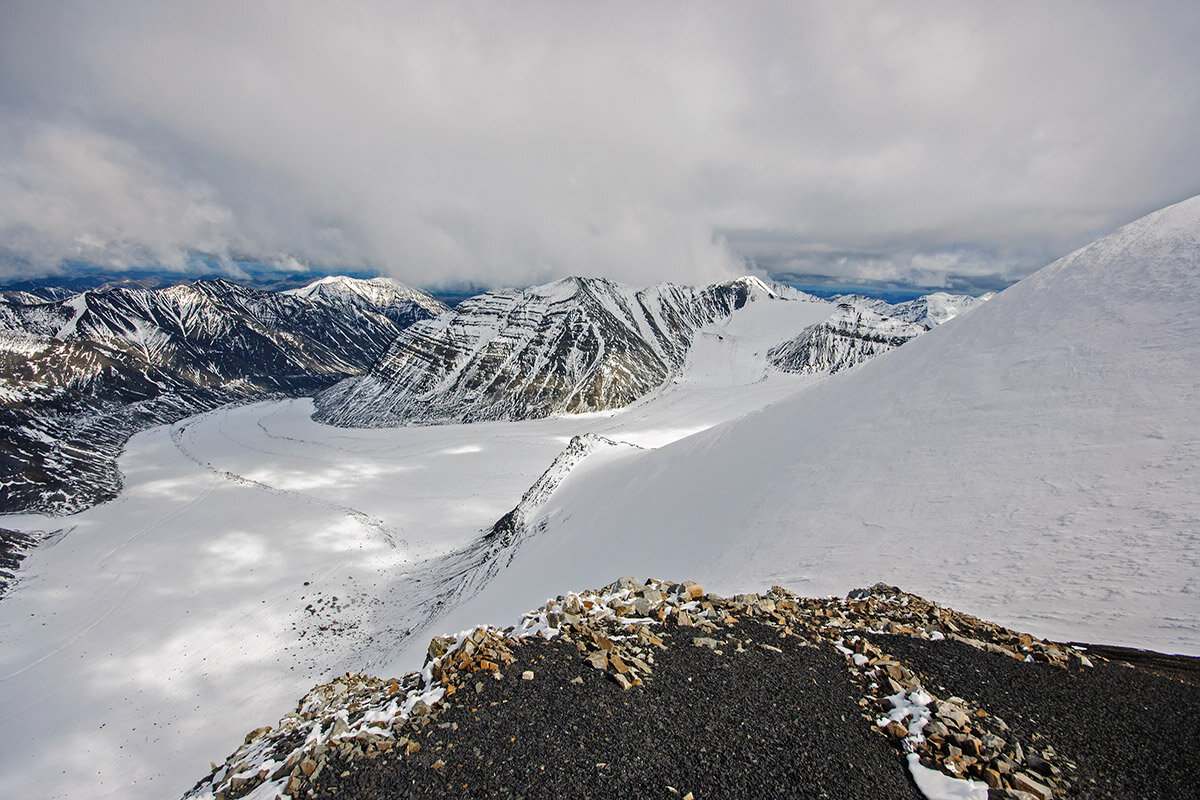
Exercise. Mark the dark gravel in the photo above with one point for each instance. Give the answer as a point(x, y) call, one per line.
point(757, 724)
point(1134, 735)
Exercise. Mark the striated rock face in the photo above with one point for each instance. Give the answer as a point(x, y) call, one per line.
point(576, 345)
point(851, 335)
point(79, 375)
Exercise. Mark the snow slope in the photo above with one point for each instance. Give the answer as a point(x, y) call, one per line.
point(1035, 462)
point(255, 553)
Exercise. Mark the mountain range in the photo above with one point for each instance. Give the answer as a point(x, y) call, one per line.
point(1031, 460)
point(81, 374)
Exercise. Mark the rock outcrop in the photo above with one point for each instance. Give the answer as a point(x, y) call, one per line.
point(620, 632)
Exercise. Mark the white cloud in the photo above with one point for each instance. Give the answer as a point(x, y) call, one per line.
point(499, 143)
point(72, 193)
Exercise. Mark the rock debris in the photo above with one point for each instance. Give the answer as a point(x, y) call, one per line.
point(618, 632)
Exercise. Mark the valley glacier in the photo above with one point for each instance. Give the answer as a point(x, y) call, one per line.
point(147, 634)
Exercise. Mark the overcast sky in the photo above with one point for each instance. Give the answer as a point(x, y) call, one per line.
point(936, 144)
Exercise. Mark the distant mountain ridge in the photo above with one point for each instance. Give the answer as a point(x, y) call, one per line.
point(399, 303)
point(591, 344)
point(81, 373)
point(851, 335)
point(78, 376)
point(928, 311)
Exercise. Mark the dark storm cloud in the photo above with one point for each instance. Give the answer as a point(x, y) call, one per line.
point(925, 143)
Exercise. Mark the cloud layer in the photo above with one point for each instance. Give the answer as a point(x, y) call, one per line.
point(498, 143)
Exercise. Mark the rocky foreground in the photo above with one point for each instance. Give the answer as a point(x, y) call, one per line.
point(658, 689)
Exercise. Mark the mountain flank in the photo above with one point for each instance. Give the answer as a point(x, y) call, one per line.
point(575, 345)
point(657, 689)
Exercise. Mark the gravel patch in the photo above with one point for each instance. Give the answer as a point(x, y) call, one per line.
point(1131, 734)
point(716, 723)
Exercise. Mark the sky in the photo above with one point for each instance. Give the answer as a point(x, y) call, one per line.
point(935, 145)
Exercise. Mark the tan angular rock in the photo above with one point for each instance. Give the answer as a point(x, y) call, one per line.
point(1027, 783)
point(952, 715)
point(256, 733)
point(639, 665)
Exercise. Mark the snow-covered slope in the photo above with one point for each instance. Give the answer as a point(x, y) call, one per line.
point(1035, 461)
point(575, 345)
point(850, 335)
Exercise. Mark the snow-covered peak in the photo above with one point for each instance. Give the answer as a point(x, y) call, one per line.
point(1155, 256)
point(756, 287)
point(22, 298)
point(564, 289)
point(935, 309)
point(378, 292)
point(850, 335)
point(574, 345)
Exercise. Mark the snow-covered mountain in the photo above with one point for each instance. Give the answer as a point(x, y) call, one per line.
point(851, 335)
point(78, 376)
point(928, 311)
point(1035, 461)
point(575, 345)
point(401, 304)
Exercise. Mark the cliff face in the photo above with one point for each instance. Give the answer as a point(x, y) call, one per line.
point(575, 345)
